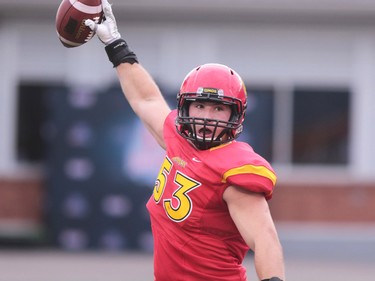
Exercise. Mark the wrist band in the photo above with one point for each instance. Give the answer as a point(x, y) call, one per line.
point(119, 52)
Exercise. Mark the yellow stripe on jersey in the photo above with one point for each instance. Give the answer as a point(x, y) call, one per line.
point(251, 169)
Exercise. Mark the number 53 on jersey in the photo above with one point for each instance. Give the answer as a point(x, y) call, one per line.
point(179, 206)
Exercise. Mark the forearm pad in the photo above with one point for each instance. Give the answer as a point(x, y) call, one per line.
point(119, 52)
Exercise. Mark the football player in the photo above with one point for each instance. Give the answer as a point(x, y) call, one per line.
point(209, 204)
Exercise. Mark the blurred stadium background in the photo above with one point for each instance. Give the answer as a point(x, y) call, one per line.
point(76, 166)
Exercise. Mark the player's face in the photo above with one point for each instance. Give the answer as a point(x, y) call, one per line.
point(209, 110)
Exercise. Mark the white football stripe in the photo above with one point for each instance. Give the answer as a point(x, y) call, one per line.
point(86, 8)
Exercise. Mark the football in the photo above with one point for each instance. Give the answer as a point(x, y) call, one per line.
point(70, 21)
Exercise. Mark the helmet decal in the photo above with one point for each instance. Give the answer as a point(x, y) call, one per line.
point(209, 91)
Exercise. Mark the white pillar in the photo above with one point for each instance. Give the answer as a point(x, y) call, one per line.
point(283, 124)
point(363, 109)
point(8, 98)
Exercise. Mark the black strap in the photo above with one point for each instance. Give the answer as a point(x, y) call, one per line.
point(119, 52)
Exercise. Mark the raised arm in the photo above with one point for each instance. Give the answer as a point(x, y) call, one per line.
point(144, 97)
point(139, 88)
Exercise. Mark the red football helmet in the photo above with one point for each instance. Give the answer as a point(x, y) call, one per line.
point(214, 83)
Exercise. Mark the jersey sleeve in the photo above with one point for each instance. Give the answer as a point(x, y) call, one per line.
point(250, 171)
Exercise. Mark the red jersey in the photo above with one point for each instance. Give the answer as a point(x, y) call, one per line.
point(195, 238)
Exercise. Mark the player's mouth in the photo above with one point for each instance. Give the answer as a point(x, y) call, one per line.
point(204, 133)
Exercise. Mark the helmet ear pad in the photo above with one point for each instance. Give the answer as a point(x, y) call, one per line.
point(183, 112)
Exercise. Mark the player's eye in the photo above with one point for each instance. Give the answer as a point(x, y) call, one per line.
point(199, 105)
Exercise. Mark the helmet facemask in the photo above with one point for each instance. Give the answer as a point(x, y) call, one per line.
point(206, 138)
